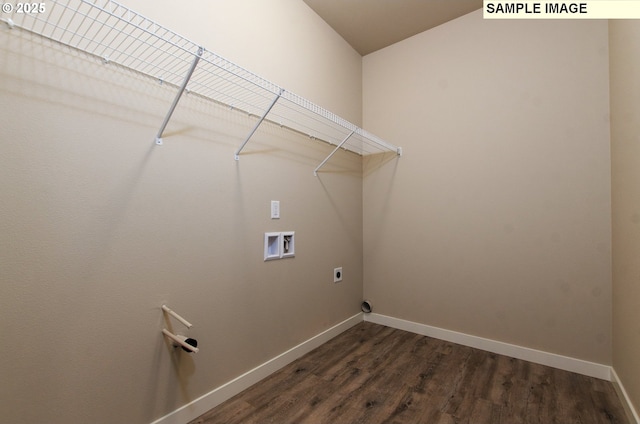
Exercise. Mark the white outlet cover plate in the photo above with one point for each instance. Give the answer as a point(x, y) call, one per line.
point(337, 275)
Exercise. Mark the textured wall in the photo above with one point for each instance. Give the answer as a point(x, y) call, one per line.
point(100, 227)
point(496, 221)
point(625, 155)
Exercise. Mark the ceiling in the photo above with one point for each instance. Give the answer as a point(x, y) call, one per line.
point(369, 25)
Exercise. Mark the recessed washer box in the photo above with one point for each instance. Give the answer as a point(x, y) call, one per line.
point(279, 245)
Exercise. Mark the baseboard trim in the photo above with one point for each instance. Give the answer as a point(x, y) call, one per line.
point(540, 357)
point(214, 398)
point(632, 414)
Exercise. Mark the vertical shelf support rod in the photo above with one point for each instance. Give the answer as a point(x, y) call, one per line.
point(187, 77)
point(315, 171)
point(264, 115)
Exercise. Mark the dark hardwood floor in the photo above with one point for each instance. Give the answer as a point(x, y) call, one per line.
point(375, 374)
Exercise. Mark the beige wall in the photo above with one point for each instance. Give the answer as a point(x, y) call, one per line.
point(496, 221)
point(283, 41)
point(100, 227)
point(625, 159)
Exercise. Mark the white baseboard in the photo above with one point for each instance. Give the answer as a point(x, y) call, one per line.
point(632, 414)
point(545, 358)
point(214, 398)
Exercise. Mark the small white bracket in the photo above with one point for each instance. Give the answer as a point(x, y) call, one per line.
point(178, 340)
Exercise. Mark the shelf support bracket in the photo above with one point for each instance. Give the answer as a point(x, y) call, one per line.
point(264, 115)
point(181, 90)
point(315, 171)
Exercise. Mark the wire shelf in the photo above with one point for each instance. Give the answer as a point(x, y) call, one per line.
point(117, 34)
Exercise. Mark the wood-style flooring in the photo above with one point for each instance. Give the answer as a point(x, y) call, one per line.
point(375, 374)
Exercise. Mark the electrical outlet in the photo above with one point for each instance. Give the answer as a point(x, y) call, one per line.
point(337, 275)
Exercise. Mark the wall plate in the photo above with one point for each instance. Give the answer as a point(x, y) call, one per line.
point(275, 209)
point(337, 275)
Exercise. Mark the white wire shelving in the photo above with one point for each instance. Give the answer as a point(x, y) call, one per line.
point(117, 34)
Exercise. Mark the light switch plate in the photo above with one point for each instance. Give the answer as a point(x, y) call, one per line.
point(275, 209)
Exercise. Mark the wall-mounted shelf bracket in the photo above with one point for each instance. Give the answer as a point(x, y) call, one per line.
point(9, 22)
point(264, 115)
point(315, 171)
point(181, 90)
